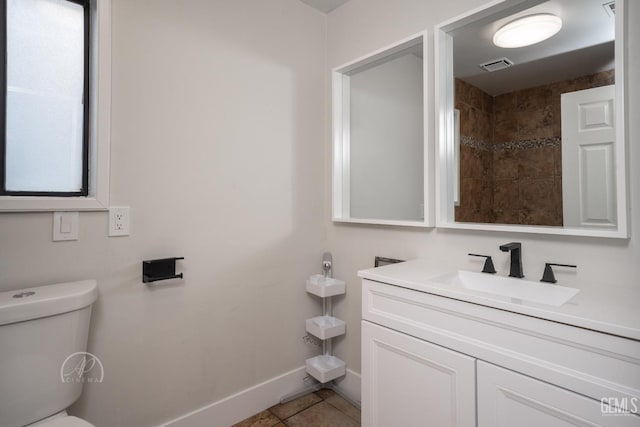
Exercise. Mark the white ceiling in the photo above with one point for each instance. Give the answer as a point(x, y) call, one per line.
point(325, 6)
point(583, 46)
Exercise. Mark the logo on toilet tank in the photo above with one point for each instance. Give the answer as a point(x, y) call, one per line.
point(82, 367)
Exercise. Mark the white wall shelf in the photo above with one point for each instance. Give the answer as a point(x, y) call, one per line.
point(325, 286)
point(325, 367)
point(325, 327)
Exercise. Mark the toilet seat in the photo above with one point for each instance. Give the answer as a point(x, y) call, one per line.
point(65, 422)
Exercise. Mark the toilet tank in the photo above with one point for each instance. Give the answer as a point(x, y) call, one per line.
point(39, 329)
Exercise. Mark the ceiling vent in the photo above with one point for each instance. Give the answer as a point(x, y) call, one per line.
point(496, 64)
point(610, 8)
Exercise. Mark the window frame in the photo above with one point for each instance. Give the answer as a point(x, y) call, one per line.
point(97, 126)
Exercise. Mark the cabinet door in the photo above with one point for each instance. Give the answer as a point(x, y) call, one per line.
point(409, 382)
point(507, 399)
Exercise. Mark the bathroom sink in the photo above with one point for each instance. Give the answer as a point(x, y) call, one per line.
point(508, 288)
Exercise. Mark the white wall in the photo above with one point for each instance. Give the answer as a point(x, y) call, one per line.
point(217, 146)
point(386, 140)
point(362, 26)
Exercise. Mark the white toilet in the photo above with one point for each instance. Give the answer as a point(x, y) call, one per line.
point(40, 329)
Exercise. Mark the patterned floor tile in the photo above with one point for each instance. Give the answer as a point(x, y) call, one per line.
point(321, 415)
point(284, 411)
point(344, 406)
point(263, 419)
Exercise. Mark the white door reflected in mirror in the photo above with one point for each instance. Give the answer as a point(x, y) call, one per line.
point(588, 151)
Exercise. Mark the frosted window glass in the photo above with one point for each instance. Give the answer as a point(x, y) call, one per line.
point(45, 82)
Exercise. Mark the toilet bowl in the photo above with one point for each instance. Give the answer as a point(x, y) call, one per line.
point(43, 339)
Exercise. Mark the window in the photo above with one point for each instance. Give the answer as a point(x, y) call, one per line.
point(55, 103)
point(46, 102)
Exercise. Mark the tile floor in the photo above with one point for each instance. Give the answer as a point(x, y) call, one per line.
point(324, 408)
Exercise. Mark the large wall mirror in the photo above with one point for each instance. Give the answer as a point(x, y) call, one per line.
point(531, 132)
point(379, 152)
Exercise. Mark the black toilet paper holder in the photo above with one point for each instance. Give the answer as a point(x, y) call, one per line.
point(160, 269)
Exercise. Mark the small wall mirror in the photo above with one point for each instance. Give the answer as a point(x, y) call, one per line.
point(532, 136)
point(379, 138)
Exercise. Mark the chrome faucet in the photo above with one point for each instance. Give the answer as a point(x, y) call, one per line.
point(516, 258)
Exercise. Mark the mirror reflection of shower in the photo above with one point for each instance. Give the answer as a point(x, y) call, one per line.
point(511, 162)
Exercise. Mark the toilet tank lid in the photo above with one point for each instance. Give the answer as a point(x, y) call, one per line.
point(43, 301)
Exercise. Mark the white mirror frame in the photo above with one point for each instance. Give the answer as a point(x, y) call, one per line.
point(445, 156)
point(341, 138)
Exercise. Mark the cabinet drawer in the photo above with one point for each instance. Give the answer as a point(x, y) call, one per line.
point(591, 363)
point(507, 399)
point(412, 383)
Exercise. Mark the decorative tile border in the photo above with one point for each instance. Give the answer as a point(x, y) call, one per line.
point(475, 143)
point(553, 141)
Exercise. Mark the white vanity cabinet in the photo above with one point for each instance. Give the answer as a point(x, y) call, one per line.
point(430, 360)
point(506, 399)
point(410, 382)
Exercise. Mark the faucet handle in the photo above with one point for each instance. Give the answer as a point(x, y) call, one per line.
point(548, 276)
point(488, 264)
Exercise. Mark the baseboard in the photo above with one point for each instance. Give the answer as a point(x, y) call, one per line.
point(246, 403)
point(350, 386)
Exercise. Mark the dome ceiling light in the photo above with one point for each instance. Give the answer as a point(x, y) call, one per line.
point(528, 30)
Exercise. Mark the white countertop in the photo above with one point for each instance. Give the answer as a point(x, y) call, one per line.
point(612, 310)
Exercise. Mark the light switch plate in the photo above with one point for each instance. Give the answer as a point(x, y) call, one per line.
point(119, 221)
point(65, 226)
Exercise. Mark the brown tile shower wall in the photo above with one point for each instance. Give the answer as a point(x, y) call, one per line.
point(526, 145)
point(522, 164)
point(527, 186)
point(476, 170)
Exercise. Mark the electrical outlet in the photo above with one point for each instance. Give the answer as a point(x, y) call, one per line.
point(119, 221)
